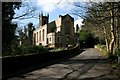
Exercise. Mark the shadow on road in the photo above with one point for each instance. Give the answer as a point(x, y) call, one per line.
point(87, 65)
point(42, 65)
point(84, 61)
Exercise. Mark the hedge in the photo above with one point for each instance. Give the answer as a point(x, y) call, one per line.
point(16, 63)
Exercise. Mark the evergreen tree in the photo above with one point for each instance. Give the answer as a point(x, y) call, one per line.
point(8, 28)
point(31, 28)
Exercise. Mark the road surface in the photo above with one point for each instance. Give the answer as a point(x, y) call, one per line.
point(89, 65)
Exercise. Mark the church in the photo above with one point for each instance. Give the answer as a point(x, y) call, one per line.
point(58, 33)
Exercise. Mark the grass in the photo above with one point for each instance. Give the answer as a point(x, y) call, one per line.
point(57, 49)
point(102, 48)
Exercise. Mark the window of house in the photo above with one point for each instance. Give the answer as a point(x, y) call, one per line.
point(43, 33)
point(50, 39)
point(67, 27)
point(68, 38)
point(39, 35)
point(58, 39)
point(34, 38)
point(47, 40)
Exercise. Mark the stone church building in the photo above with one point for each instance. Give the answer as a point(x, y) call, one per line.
point(58, 33)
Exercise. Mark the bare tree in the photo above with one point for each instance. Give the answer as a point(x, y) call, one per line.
point(102, 18)
point(28, 11)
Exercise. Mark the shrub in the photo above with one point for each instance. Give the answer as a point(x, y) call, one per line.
point(103, 50)
point(37, 49)
point(117, 52)
point(112, 58)
point(21, 50)
point(86, 38)
point(102, 41)
point(26, 50)
point(57, 49)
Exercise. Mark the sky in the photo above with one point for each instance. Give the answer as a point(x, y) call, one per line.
point(53, 7)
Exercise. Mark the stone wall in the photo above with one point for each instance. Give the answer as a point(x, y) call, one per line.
point(14, 65)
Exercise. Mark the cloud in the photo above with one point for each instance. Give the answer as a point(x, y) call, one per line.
point(47, 5)
point(51, 5)
point(79, 22)
point(65, 5)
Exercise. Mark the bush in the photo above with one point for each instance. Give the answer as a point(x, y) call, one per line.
point(112, 58)
point(37, 49)
point(86, 38)
point(103, 50)
point(57, 49)
point(102, 46)
point(26, 50)
point(117, 52)
point(101, 41)
point(21, 50)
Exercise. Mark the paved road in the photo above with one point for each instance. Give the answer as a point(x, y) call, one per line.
point(89, 65)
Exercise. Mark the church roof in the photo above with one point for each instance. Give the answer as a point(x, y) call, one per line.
point(65, 16)
point(52, 24)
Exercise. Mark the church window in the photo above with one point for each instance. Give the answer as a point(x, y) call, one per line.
point(34, 38)
point(67, 27)
point(68, 39)
point(43, 33)
point(58, 39)
point(50, 39)
point(39, 35)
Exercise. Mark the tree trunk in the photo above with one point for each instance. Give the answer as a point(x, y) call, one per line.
point(117, 34)
point(111, 45)
point(107, 45)
point(106, 40)
point(118, 26)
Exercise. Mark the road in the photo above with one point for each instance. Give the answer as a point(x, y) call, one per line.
point(89, 65)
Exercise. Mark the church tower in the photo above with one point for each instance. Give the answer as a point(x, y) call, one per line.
point(43, 19)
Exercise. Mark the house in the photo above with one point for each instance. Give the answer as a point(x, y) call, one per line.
point(58, 33)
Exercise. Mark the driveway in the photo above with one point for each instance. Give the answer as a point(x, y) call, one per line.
point(89, 65)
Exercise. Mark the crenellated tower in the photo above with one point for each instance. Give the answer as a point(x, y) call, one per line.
point(43, 19)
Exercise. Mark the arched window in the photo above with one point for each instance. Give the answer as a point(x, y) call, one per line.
point(67, 27)
point(43, 34)
point(39, 35)
point(59, 39)
point(34, 38)
point(67, 38)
